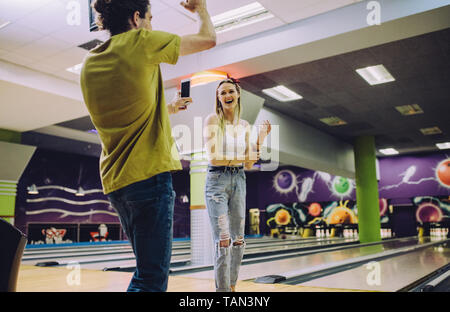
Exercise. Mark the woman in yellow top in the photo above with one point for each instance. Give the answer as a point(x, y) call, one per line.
point(227, 137)
point(123, 91)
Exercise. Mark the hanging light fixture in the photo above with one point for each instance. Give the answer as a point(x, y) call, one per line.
point(80, 192)
point(32, 189)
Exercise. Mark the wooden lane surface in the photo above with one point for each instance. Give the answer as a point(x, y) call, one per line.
point(39, 279)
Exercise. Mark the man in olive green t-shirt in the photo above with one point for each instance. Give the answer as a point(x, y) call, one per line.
point(123, 91)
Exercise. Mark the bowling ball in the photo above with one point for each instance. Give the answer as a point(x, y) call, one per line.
point(341, 185)
point(282, 217)
point(284, 180)
point(314, 209)
point(443, 172)
point(340, 216)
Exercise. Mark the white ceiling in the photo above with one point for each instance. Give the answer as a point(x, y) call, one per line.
point(39, 41)
point(39, 36)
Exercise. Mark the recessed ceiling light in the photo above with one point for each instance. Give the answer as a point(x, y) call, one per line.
point(388, 151)
point(333, 121)
point(444, 145)
point(75, 69)
point(430, 131)
point(375, 74)
point(240, 17)
point(282, 94)
point(408, 110)
point(4, 24)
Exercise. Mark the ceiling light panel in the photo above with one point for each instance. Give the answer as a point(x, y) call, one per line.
point(3, 23)
point(375, 75)
point(333, 121)
point(408, 110)
point(445, 145)
point(75, 69)
point(240, 17)
point(388, 151)
point(430, 131)
point(282, 94)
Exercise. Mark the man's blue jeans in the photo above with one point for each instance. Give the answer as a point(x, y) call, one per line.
point(145, 211)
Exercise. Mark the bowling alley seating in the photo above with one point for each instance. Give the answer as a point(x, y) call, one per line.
point(12, 245)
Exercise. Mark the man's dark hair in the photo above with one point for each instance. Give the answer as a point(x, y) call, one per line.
point(115, 15)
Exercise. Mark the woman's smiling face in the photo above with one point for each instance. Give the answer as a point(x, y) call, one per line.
point(228, 95)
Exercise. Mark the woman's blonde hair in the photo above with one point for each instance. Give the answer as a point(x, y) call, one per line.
point(219, 108)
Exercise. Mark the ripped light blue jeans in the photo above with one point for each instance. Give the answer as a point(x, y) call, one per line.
point(225, 200)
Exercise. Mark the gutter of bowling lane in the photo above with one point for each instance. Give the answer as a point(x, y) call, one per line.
point(310, 273)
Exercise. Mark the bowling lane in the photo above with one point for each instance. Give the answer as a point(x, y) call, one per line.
point(94, 247)
point(254, 252)
point(55, 250)
point(182, 257)
point(392, 274)
point(121, 252)
point(281, 267)
point(83, 252)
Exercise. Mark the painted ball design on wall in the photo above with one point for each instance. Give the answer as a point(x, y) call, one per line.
point(428, 212)
point(383, 206)
point(284, 179)
point(443, 173)
point(282, 217)
point(315, 209)
point(340, 217)
point(341, 185)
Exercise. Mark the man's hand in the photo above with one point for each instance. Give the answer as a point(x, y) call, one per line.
point(178, 103)
point(194, 5)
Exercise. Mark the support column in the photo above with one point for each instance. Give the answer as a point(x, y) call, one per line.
point(202, 247)
point(8, 188)
point(8, 200)
point(367, 190)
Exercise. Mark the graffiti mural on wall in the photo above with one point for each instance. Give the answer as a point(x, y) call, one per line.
point(304, 184)
point(288, 218)
point(432, 209)
point(291, 217)
point(411, 176)
point(62, 204)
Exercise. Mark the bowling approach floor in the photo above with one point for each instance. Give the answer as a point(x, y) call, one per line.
point(403, 269)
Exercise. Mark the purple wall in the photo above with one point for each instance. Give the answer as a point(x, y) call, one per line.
point(55, 170)
point(402, 178)
point(419, 175)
